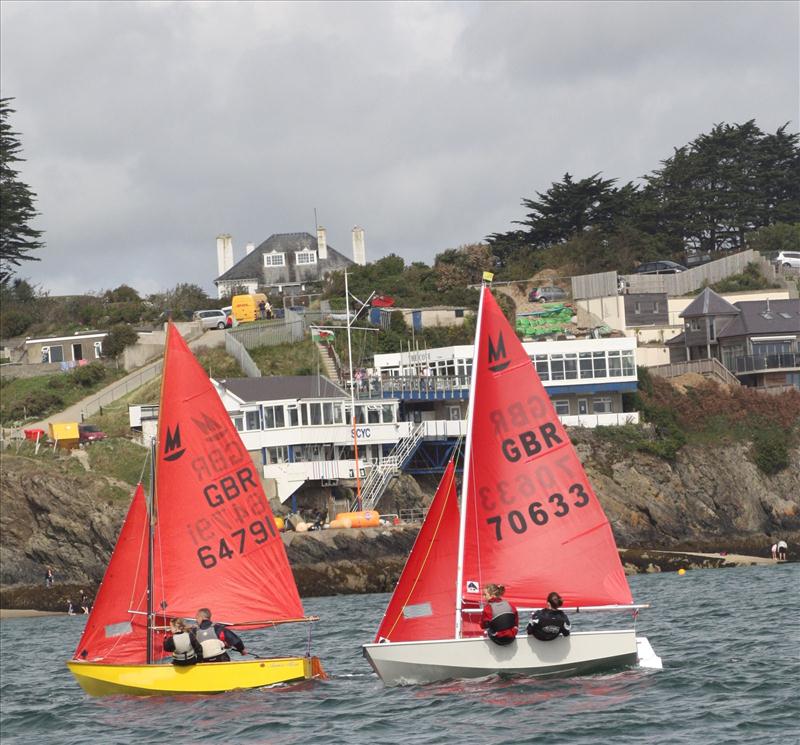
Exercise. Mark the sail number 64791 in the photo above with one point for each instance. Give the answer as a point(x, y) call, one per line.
point(537, 514)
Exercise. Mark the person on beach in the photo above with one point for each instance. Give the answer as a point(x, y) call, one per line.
point(782, 547)
point(215, 638)
point(70, 608)
point(549, 622)
point(183, 644)
point(499, 617)
point(775, 551)
point(48, 577)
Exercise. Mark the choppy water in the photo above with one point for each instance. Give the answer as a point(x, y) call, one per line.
point(730, 641)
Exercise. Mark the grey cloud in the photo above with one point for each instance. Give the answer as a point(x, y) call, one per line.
point(151, 127)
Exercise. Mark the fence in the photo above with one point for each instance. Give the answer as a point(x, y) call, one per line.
point(605, 284)
point(685, 282)
point(594, 285)
point(701, 367)
point(285, 330)
point(130, 383)
point(236, 349)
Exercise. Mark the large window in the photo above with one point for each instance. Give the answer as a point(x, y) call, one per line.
point(601, 405)
point(293, 415)
point(278, 454)
point(562, 407)
point(273, 417)
point(763, 348)
point(542, 369)
point(252, 420)
point(388, 413)
point(315, 413)
point(305, 257)
point(274, 259)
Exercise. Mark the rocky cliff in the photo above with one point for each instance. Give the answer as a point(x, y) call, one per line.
point(710, 498)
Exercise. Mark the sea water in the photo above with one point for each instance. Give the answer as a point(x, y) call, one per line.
point(729, 640)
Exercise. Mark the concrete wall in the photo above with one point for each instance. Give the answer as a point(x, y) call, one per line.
point(610, 308)
point(652, 356)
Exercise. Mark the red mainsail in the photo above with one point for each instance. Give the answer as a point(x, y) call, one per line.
point(216, 542)
point(116, 628)
point(533, 521)
point(423, 603)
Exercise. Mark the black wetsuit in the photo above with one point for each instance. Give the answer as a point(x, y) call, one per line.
point(547, 624)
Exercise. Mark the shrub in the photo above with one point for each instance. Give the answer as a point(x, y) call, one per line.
point(89, 375)
point(771, 450)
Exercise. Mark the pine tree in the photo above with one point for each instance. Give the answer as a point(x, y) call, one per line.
point(17, 237)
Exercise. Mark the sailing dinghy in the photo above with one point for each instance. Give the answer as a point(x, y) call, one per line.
point(528, 519)
point(205, 538)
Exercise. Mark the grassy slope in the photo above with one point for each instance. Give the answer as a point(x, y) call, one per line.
point(44, 395)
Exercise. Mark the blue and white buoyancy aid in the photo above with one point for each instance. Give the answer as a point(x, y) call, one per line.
point(212, 645)
point(183, 647)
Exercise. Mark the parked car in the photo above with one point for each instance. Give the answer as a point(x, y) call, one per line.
point(90, 433)
point(788, 259)
point(659, 267)
point(546, 294)
point(211, 319)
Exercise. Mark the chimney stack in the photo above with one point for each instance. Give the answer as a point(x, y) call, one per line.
point(249, 248)
point(322, 243)
point(224, 253)
point(359, 250)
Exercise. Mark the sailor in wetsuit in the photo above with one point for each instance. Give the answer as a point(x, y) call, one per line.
point(183, 644)
point(215, 638)
point(499, 617)
point(548, 623)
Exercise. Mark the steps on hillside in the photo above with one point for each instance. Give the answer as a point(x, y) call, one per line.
point(328, 365)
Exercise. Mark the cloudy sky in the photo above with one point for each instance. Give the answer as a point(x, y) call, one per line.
point(151, 127)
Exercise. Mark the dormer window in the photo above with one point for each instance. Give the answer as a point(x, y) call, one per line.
point(274, 259)
point(305, 257)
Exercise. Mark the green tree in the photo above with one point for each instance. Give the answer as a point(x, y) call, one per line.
point(710, 194)
point(119, 336)
point(17, 238)
point(122, 294)
point(567, 209)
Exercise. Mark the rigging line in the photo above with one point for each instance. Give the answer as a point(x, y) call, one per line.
point(133, 588)
point(144, 465)
point(425, 560)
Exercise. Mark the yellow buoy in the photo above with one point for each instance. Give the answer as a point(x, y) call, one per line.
point(681, 572)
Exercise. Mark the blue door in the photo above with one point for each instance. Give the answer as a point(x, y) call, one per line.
point(375, 316)
point(416, 319)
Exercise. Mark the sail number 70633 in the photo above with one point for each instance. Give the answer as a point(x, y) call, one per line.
point(537, 513)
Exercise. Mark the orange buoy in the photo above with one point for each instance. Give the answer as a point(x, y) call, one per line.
point(363, 519)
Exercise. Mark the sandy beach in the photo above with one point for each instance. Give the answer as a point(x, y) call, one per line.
point(21, 613)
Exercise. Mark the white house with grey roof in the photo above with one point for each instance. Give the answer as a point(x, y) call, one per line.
point(284, 262)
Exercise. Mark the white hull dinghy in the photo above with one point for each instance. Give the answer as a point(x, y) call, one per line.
point(529, 519)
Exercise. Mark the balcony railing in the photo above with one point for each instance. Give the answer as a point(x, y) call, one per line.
point(427, 387)
point(761, 362)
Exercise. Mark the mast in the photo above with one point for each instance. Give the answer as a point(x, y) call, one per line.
point(462, 530)
point(352, 390)
point(151, 503)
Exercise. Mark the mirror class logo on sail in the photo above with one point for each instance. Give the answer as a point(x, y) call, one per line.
point(232, 517)
point(498, 359)
point(532, 440)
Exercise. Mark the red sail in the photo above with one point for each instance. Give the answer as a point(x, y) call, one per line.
point(423, 603)
point(216, 541)
point(115, 630)
point(533, 522)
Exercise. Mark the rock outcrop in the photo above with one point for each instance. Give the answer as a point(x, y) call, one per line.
point(710, 499)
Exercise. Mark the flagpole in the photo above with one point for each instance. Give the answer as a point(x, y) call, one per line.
point(352, 390)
